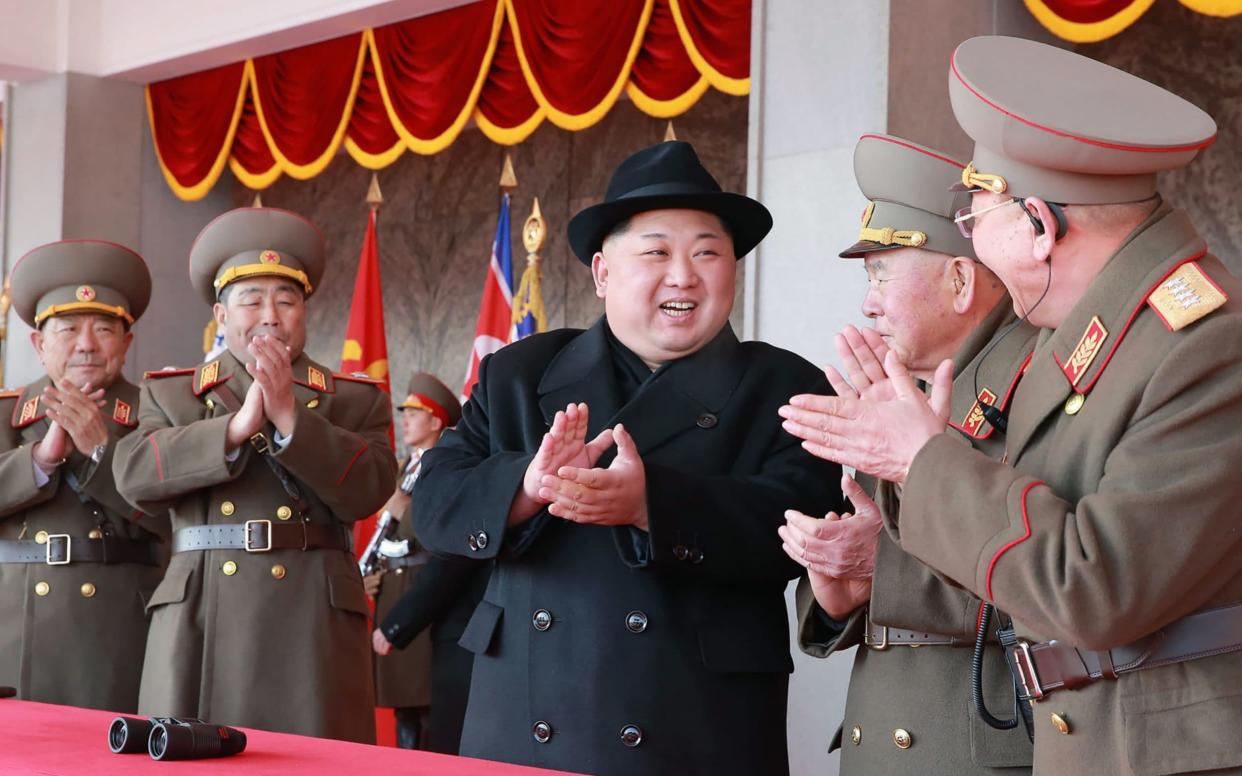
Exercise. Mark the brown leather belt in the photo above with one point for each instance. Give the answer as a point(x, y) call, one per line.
point(1046, 667)
point(883, 637)
point(63, 549)
point(262, 536)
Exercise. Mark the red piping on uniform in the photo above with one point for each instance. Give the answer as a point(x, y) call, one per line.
point(1004, 401)
point(913, 147)
point(159, 467)
point(1026, 523)
point(1129, 321)
point(352, 461)
point(1059, 133)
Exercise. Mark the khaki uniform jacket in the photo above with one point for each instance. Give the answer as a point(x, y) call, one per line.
point(282, 642)
point(926, 691)
point(1117, 510)
point(403, 677)
point(75, 633)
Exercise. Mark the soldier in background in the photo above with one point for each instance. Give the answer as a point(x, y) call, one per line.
point(265, 458)
point(75, 571)
point(424, 600)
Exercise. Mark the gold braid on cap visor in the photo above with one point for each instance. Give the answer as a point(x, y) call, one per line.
point(973, 179)
point(84, 307)
point(911, 238)
point(233, 274)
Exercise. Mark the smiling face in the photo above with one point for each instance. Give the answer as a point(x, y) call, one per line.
point(262, 305)
point(910, 297)
point(82, 348)
point(667, 280)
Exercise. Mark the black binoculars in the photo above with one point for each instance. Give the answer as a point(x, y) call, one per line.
point(169, 738)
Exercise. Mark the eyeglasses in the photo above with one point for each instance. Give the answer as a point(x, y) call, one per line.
point(962, 217)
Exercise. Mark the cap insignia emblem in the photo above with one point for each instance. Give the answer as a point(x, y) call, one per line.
point(269, 257)
point(85, 294)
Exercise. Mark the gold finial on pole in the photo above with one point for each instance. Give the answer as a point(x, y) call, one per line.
point(258, 199)
point(534, 232)
point(374, 197)
point(528, 300)
point(508, 178)
point(669, 134)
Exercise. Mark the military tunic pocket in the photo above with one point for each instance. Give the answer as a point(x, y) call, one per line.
point(480, 632)
point(172, 589)
point(346, 593)
point(1181, 734)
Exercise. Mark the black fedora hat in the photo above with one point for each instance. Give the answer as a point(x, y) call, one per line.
point(667, 175)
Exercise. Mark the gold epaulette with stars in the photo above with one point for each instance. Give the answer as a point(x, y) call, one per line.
point(1186, 296)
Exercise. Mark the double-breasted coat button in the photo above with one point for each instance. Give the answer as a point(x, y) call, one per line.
point(41, 537)
point(902, 738)
point(481, 539)
point(95, 533)
point(680, 552)
point(636, 622)
point(1074, 403)
point(87, 590)
point(706, 420)
point(542, 731)
point(856, 735)
point(279, 571)
point(472, 542)
point(42, 588)
point(696, 555)
point(227, 508)
point(1061, 723)
point(312, 404)
point(631, 735)
point(284, 513)
point(229, 568)
point(541, 619)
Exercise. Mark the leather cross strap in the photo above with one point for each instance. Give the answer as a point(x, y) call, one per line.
point(1046, 667)
point(261, 536)
point(63, 549)
point(406, 561)
point(883, 637)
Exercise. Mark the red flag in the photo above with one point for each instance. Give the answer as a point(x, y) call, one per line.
point(495, 327)
point(366, 350)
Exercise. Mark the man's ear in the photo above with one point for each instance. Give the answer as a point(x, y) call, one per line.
point(1038, 209)
point(962, 275)
point(220, 313)
point(36, 339)
point(599, 271)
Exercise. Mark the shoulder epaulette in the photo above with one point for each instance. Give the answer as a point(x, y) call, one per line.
point(358, 377)
point(166, 372)
point(1185, 296)
point(7, 394)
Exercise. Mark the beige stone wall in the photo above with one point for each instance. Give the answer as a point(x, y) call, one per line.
point(439, 216)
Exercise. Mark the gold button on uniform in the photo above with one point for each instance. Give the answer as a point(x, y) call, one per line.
point(1060, 723)
point(312, 404)
point(211, 405)
point(88, 590)
point(95, 534)
point(42, 588)
point(229, 568)
point(284, 513)
point(278, 571)
point(1074, 403)
point(41, 537)
point(227, 508)
point(856, 735)
point(902, 738)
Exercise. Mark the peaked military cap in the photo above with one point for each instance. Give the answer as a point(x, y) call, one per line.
point(80, 276)
point(256, 242)
point(426, 392)
point(1054, 124)
point(910, 204)
point(667, 175)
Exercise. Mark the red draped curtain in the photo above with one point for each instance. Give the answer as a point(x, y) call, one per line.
point(1089, 21)
point(414, 85)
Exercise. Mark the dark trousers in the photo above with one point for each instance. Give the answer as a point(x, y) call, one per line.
point(411, 726)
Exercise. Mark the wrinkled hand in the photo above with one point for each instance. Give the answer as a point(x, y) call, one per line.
point(563, 445)
point(371, 583)
point(248, 420)
point(879, 438)
point(839, 597)
point(380, 643)
point(862, 352)
point(77, 411)
point(51, 451)
point(613, 496)
point(840, 546)
point(272, 370)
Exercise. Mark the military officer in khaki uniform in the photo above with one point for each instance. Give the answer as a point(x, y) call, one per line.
point(74, 570)
point(909, 711)
point(1109, 530)
point(403, 678)
point(265, 459)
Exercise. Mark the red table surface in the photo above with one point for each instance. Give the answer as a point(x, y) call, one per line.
point(42, 738)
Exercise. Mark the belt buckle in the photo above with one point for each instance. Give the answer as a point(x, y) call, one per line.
point(884, 644)
point(246, 539)
point(68, 549)
point(1027, 677)
point(259, 443)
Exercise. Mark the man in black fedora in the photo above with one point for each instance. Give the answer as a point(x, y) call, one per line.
point(627, 482)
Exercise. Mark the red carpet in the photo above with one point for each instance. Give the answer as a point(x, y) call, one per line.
point(41, 738)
